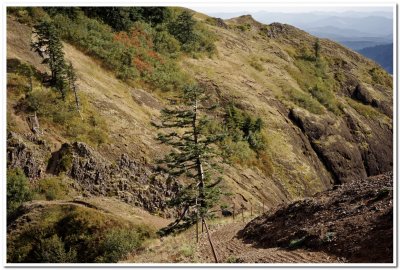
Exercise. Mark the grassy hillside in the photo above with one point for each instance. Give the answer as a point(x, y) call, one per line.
point(299, 117)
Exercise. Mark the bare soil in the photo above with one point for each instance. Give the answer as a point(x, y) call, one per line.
point(231, 249)
point(354, 221)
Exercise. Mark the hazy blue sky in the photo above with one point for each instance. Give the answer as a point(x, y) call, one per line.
point(290, 9)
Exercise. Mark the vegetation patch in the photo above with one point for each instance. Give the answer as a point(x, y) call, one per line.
point(18, 190)
point(187, 250)
point(52, 188)
point(367, 110)
point(256, 63)
point(87, 126)
point(303, 100)
point(69, 233)
point(243, 27)
point(379, 76)
point(314, 76)
point(245, 143)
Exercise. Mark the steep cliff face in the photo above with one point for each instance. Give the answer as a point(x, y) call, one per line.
point(327, 120)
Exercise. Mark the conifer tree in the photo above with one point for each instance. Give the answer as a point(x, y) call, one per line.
point(192, 156)
point(183, 27)
point(48, 45)
point(72, 78)
point(316, 49)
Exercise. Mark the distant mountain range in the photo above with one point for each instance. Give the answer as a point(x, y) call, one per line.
point(372, 31)
point(382, 54)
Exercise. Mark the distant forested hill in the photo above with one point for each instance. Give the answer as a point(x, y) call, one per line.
point(382, 54)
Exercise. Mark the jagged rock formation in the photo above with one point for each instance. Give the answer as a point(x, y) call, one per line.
point(25, 155)
point(126, 179)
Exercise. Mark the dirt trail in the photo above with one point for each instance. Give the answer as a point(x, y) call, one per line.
point(231, 249)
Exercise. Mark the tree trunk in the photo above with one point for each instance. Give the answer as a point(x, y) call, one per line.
point(77, 103)
point(199, 165)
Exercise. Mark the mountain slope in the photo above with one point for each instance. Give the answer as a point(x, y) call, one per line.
point(327, 119)
point(258, 70)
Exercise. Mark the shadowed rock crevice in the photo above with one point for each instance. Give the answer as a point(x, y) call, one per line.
point(333, 144)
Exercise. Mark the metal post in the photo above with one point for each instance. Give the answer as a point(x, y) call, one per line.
point(197, 222)
point(197, 228)
point(209, 240)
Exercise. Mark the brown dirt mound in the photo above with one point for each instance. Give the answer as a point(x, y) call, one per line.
point(354, 221)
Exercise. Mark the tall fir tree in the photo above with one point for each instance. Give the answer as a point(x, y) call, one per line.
point(72, 83)
point(183, 27)
point(193, 142)
point(317, 48)
point(47, 44)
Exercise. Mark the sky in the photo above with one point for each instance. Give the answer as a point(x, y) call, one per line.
point(289, 9)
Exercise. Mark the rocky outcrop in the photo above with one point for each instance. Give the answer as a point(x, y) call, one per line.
point(333, 143)
point(125, 178)
point(274, 30)
point(374, 140)
point(362, 94)
point(350, 148)
point(25, 155)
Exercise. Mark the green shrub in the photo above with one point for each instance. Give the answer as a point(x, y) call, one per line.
point(18, 190)
point(379, 76)
point(240, 124)
point(52, 250)
point(187, 250)
point(65, 162)
point(165, 43)
point(303, 100)
point(100, 238)
point(245, 143)
point(316, 78)
point(118, 243)
point(325, 97)
point(243, 27)
point(69, 233)
point(193, 35)
point(52, 188)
